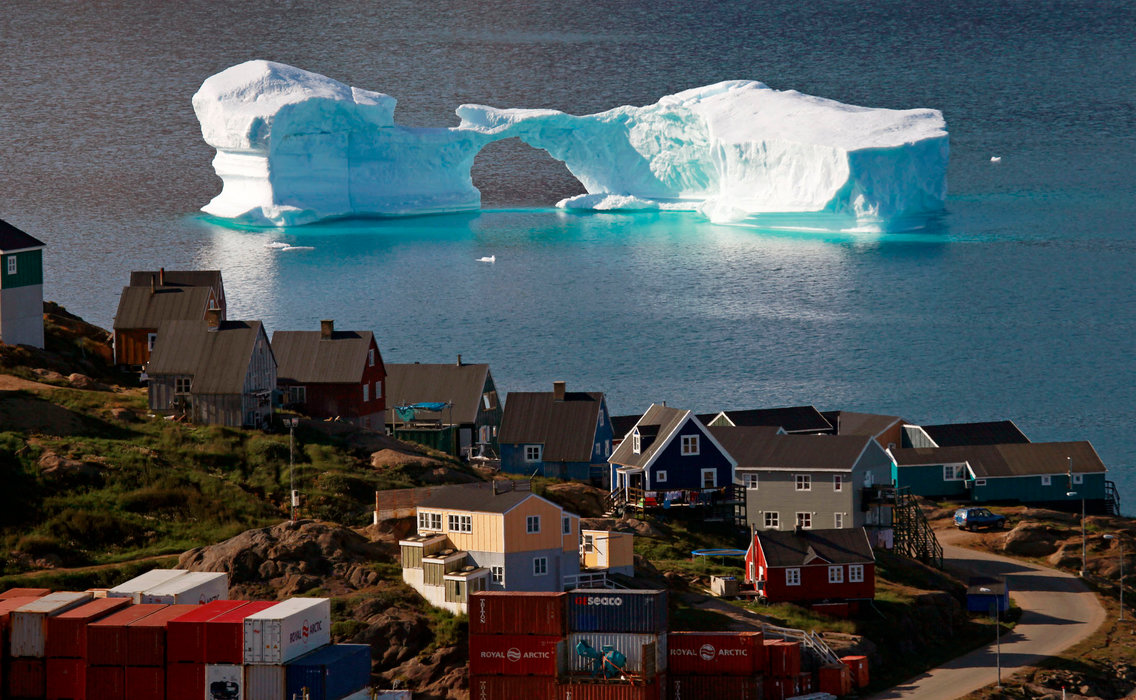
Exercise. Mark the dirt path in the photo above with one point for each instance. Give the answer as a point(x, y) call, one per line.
point(95, 567)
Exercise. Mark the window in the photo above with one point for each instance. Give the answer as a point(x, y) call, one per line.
point(661, 476)
point(430, 521)
point(1047, 480)
point(838, 520)
point(181, 385)
point(589, 543)
point(366, 392)
point(689, 445)
point(804, 482)
point(151, 338)
point(1078, 478)
point(297, 394)
point(804, 520)
point(460, 523)
point(378, 390)
point(709, 478)
point(498, 574)
point(540, 566)
point(532, 524)
point(772, 520)
point(837, 482)
point(11, 264)
point(980, 482)
point(836, 574)
point(855, 573)
point(792, 577)
point(601, 419)
point(954, 472)
point(489, 400)
point(371, 357)
point(532, 453)
point(750, 481)
point(635, 443)
point(566, 524)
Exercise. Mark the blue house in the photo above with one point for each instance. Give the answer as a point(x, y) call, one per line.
point(668, 454)
point(561, 434)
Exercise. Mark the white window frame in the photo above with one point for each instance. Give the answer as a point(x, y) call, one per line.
point(533, 453)
point(804, 482)
point(430, 521)
point(980, 482)
point(497, 573)
point(855, 573)
point(837, 482)
point(792, 577)
point(589, 543)
point(366, 392)
point(532, 525)
point(772, 520)
point(565, 525)
point(954, 472)
point(805, 519)
point(750, 482)
point(1078, 478)
point(540, 566)
point(836, 574)
point(661, 476)
point(1047, 480)
point(371, 357)
point(636, 442)
point(378, 390)
point(690, 445)
point(713, 478)
point(11, 264)
point(838, 521)
point(459, 523)
point(151, 338)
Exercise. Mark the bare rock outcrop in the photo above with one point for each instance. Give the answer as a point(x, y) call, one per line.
point(1030, 540)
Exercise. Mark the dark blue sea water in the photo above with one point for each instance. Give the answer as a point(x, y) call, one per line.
point(1019, 303)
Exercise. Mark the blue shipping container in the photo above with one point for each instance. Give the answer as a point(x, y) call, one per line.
point(607, 610)
point(330, 673)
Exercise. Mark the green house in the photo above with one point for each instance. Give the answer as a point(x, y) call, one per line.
point(21, 287)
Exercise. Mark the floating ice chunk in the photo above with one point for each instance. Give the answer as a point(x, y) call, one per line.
point(995, 159)
point(607, 202)
point(276, 245)
point(488, 259)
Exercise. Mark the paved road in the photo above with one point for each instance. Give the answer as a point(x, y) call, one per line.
point(1057, 612)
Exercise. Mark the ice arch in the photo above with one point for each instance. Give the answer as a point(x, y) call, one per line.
point(295, 147)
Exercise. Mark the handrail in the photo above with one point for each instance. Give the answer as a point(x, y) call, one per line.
point(810, 640)
point(590, 580)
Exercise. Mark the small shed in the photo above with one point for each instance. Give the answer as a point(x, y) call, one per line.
point(983, 592)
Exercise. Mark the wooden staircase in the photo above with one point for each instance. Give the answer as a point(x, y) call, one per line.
point(1111, 499)
point(914, 537)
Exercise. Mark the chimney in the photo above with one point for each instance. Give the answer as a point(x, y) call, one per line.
point(459, 360)
point(161, 276)
point(151, 284)
point(213, 318)
point(326, 329)
point(558, 391)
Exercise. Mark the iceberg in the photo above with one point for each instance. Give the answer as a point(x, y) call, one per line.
point(294, 147)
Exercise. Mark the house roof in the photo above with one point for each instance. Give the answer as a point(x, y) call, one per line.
point(622, 425)
point(797, 548)
point(1002, 432)
point(852, 423)
point(794, 419)
point(764, 448)
point(218, 360)
point(477, 497)
point(178, 278)
point(659, 420)
point(1017, 459)
point(306, 357)
point(567, 428)
point(138, 307)
point(460, 384)
point(13, 239)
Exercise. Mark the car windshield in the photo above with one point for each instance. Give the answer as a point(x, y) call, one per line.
point(982, 512)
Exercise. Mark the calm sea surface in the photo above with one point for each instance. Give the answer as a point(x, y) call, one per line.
point(1019, 303)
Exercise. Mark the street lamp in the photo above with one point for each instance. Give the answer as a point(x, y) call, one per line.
point(1114, 537)
point(1084, 560)
point(291, 423)
point(997, 633)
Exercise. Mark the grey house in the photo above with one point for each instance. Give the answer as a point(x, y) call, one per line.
point(21, 287)
point(815, 481)
point(468, 412)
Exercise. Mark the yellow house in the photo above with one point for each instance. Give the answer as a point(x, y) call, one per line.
point(607, 550)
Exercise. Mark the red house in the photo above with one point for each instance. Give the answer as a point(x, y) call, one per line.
point(812, 566)
point(332, 374)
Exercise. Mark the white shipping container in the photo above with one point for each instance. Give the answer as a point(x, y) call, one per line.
point(264, 682)
point(133, 588)
point(289, 629)
point(224, 681)
point(194, 588)
point(634, 646)
point(28, 623)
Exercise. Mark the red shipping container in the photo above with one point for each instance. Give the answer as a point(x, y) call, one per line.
point(26, 678)
point(185, 681)
point(715, 653)
point(784, 657)
point(185, 636)
point(509, 687)
point(511, 612)
point(834, 679)
point(778, 688)
point(859, 667)
point(66, 678)
point(146, 638)
point(611, 691)
point(514, 655)
point(24, 593)
point(804, 683)
point(225, 634)
point(106, 638)
point(145, 682)
point(67, 631)
point(722, 687)
point(106, 682)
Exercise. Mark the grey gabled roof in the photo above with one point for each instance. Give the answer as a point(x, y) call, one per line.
point(178, 278)
point(794, 419)
point(1002, 432)
point(476, 497)
point(660, 421)
point(852, 423)
point(306, 357)
point(1018, 459)
point(218, 360)
point(13, 239)
point(567, 428)
point(427, 383)
point(139, 307)
point(765, 448)
point(796, 548)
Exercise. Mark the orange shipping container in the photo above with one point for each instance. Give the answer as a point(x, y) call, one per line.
point(859, 667)
point(834, 679)
point(25, 593)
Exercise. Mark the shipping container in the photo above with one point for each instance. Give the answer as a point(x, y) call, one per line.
point(133, 588)
point(646, 653)
point(28, 623)
point(224, 681)
point(607, 610)
point(511, 687)
point(185, 682)
point(7, 605)
point(380, 695)
point(716, 653)
point(835, 679)
point(804, 683)
point(613, 690)
point(66, 679)
point(287, 630)
point(225, 634)
point(26, 678)
point(185, 635)
point(106, 638)
point(783, 657)
point(145, 682)
point(516, 655)
point(715, 687)
point(265, 682)
point(67, 631)
point(146, 637)
point(779, 688)
point(193, 588)
point(510, 612)
point(330, 673)
point(24, 593)
point(106, 683)
point(859, 668)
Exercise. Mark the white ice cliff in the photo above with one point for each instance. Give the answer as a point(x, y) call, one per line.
point(294, 147)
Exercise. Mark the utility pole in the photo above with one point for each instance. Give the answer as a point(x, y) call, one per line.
point(292, 496)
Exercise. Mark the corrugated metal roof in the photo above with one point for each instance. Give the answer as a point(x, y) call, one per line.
point(794, 419)
point(789, 548)
point(12, 238)
point(178, 278)
point(138, 307)
point(461, 385)
point(1019, 459)
point(851, 423)
point(218, 360)
point(659, 419)
point(1002, 432)
point(762, 447)
point(475, 497)
point(306, 357)
point(567, 428)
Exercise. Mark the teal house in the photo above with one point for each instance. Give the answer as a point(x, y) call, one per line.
point(21, 287)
